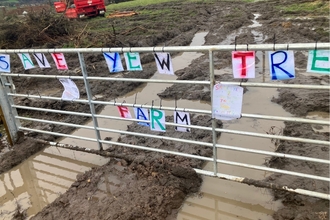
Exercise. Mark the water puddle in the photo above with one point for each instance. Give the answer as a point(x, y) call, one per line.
point(144, 95)
point(319, 116)
point(221, 199)
point(40, 179)
point(44, 176)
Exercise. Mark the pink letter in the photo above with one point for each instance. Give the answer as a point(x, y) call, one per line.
point(60, 61)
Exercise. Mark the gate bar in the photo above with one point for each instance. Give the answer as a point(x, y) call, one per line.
point(263, 184)
point(206, 48)
point(256, 183)
point(246, 84)
point(185, 126)
point(266, 117)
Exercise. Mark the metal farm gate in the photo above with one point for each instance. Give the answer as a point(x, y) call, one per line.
point(12, 119)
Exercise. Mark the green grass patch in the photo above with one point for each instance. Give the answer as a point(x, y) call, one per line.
point(123, 6)
point(315, 7)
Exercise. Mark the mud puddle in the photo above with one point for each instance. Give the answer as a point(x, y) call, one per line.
point(220, 199)
point(145, 94)
point(40, 179)
point(319, 116)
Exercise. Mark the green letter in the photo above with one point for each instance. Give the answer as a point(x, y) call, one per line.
point(315, 58)
point(160, 120)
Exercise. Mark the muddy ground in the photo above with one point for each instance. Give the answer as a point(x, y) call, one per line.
point(152, 185)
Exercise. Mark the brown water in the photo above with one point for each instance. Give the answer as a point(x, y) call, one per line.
point(145, 94)
point(40, 179)
point(221, 199)
point(44, 176)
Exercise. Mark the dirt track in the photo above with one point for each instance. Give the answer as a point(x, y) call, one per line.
point(152, 182)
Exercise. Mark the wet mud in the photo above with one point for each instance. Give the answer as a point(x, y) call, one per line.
point(154, 185)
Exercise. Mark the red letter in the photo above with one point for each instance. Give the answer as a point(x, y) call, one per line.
point(59, 61)
point(243, 55)
point(124, 112)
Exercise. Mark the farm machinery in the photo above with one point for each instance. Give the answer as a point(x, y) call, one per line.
point(80, 8)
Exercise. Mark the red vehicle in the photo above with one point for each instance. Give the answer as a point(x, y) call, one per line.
point(80, 8)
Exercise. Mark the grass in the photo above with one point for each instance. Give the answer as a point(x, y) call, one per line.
point(140, 3)
point(320, 7)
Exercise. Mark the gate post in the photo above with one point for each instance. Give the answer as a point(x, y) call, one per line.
point(90, 98)
point(8, 113)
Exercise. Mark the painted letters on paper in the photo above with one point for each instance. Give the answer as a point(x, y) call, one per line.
point(227, 102)
point(164, 63)
point(114, 62)
point(142, 114)
point(318, 61)
point(26, 60)
point(41, 60)
point(157, 120)
point(182, 118)
point(124, 112)
point(4, 63)
point(133, 62)
point(59, 60)
point(243, 63)
point(281, 65)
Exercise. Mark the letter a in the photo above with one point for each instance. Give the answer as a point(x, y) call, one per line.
point(26, 60)
point(142, 114)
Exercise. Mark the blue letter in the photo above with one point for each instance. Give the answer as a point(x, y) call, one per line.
point(287, 65)
point(4, 63)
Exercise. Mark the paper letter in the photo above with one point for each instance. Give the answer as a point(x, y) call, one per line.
point(4, 63)
point(60, 61)
point(318, 61)
point(114, 62)
point(182, 118)
point(26, 60)
point(142, 114)
point(41, 60)
point(124, 112)
point(164, 63)
point(227, 102)
point(133, 62)
point(71, 91)
point(243, 64)
point(281, 65)
point(157, 116)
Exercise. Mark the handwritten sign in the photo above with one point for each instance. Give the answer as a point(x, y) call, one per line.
point(41, 60)
point(124, 112)
point(114, 62)
point(182, 118)
point(157, 120)
point(71, 91)
point(227, 102)
point(243, 63)
point(318, 61)
point(142, 114)
point(164, 63)
point(26, 60)
point(281, 65)
point(4, 63)
point(59, 60)
point(133, 62)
